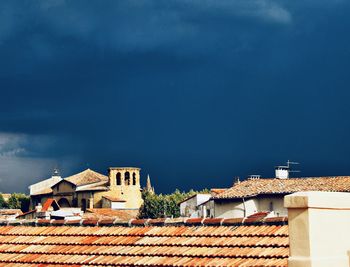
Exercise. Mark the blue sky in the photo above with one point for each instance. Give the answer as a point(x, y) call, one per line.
point(194, 92)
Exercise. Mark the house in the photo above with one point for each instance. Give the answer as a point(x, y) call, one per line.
point(189, 206)
point(193, 206)
point(90, 189)
point(50, 210)
point(267, 194)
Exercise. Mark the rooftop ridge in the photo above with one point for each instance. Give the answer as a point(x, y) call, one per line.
point(153, 222)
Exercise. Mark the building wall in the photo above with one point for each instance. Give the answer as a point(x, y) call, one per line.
point(188, 207)
point(274, 204)
point(131, 192)
point(207, 209)
point(235, 208)
point(191, 207)
point(117, 205)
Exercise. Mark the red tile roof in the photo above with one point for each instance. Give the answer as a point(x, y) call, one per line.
point(215, 191)
point(107, 213)
point(254, 187)
point(183, 245)
point(50, 202)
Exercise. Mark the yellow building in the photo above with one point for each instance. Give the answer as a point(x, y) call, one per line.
point(89, 189)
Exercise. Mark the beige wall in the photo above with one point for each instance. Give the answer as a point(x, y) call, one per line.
point(63, 187)
point(235, 208)
point(319, 233)
point(277, 205)
point(130, 193)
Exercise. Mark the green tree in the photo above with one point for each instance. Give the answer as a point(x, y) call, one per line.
point(164, 205)
point(3, 203)
point(19, 201)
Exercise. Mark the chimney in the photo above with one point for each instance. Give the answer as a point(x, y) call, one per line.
point(282, 172)
point(319, 231)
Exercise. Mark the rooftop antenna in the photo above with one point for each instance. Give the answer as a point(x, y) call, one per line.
point(289, 163)
point(282, 172)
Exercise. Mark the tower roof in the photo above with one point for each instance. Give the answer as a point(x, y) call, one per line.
point(149, 187)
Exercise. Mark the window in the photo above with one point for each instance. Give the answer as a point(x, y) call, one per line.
point(127, 178)
point(133, 178)
point(119, 179)
point(271, 206)
point(58, 187)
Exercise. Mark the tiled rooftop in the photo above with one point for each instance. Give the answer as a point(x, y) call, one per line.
point(209, 242)
point(254, 187)
point(107, 213)
point(86, 177)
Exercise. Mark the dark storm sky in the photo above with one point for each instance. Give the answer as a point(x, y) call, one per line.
point(195, 92)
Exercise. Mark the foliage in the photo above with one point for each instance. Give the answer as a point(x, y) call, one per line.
point(19, 201)
point(3, 203)
point(164, 205)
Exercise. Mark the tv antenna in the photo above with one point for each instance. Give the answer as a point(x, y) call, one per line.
point(290, 164)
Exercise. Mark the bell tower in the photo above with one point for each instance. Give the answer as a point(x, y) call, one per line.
point(125, 184)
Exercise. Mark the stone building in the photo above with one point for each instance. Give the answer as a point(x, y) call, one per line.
point(90, 189)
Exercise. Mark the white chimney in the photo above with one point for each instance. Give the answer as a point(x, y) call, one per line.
point(282, 172)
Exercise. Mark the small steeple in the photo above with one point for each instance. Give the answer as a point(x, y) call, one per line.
point(56, 172)
point(149, 187)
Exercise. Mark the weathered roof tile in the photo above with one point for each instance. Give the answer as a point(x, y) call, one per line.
point(254, 187)
point(185, 245)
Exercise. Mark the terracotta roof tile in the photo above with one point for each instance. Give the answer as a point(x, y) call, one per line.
point(185, 245)
point(107, 213)
point(86, 177)
point(254, 187)
point(50, 202)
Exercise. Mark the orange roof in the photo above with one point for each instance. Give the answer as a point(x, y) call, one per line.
point(254, 187)
point(124, 215)
point(215, 191)
point(184, 245)
point(50, 202)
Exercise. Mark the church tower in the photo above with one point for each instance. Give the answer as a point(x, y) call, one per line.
point(149, 187)
point(124, 184)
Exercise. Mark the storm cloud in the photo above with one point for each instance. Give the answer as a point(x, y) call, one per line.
point(193, 92)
